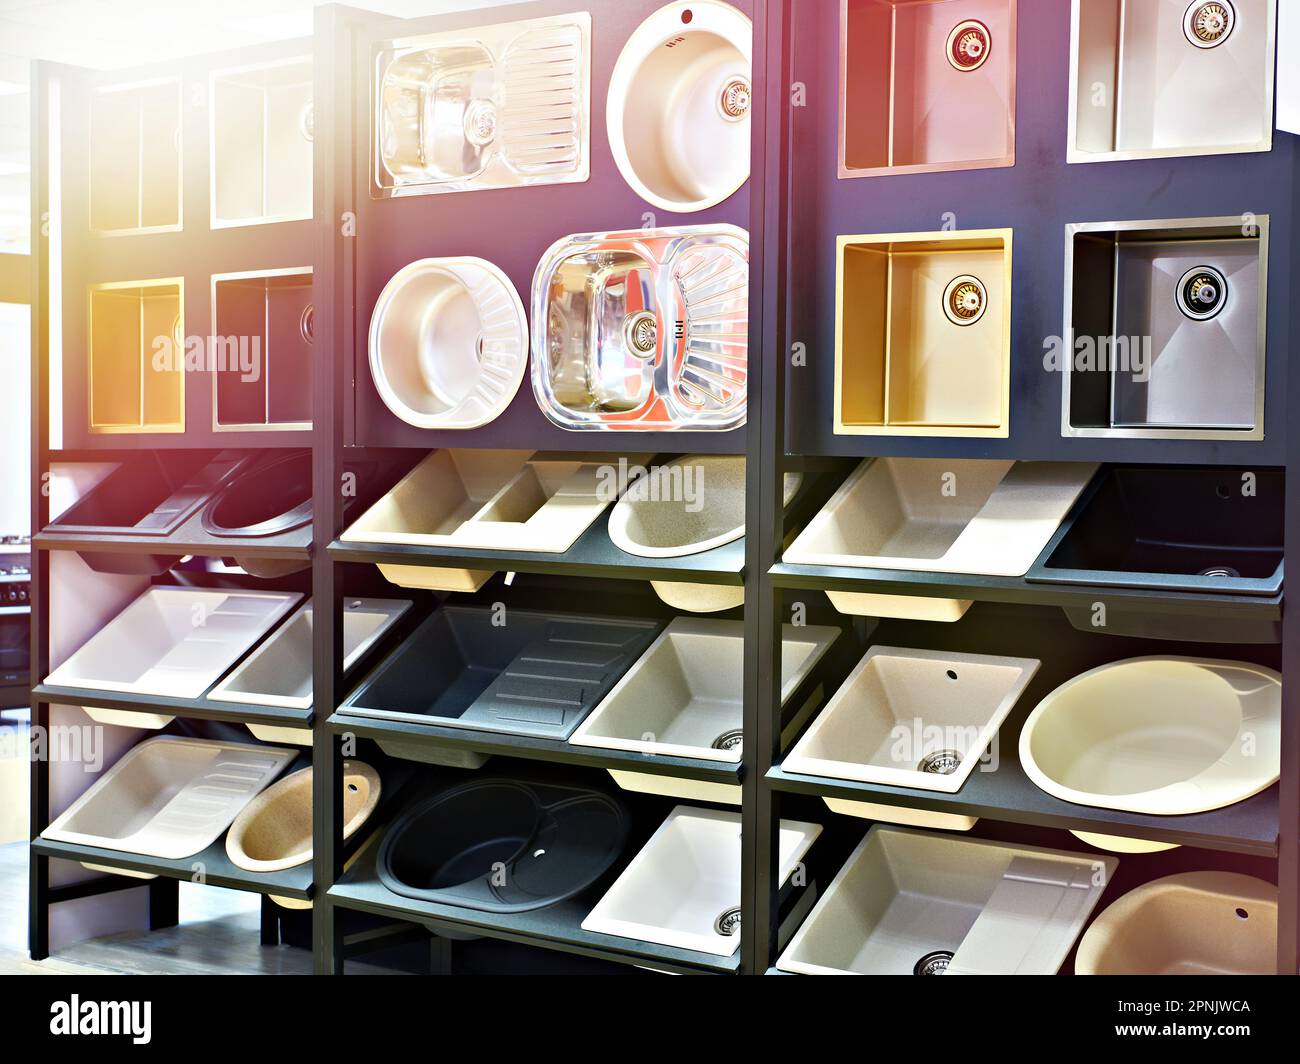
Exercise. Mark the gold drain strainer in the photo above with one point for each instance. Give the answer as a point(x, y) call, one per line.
point(969, 45)
point(965, 300)
point(1208, 25)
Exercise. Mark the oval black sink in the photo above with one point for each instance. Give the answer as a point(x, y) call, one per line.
point(502, 845)
point(270, 499)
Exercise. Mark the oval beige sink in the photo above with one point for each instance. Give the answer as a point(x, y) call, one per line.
point(1198, 923)
point(274, 832)
point(1124, 736)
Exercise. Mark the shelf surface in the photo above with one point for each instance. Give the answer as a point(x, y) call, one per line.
point(192, 708)
point(284, 547)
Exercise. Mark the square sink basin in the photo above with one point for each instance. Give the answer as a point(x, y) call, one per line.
point(135, 180)
point(644, 330)
point(496, 106)
point(1197, 923)
point(920, 719)
point(1209, 529)
point(683, 888)
point(912, 903)
point(984, 518)
point(169, 797)
point(923, 334)
point(130, 390)
point(1135, 67)
point(682, 698)
point(903, 63)
point(171, 641)
point(1175, 314)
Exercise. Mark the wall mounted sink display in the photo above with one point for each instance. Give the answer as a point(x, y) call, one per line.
point(923, 333)
point(495, 106)
point(171, 641)
point(682, 698)
point(920, 719)
point(683, 889)
point(269, 314)
point(503, 846)
point(989, 518)
point(1210, 529)
point(688, 506)
point(644, 330)
point(130, 390)
point(1143, 62)
point(1175, 315)
point(169, 797)
point(1198, 923)
point(488, 500)
point(678, 109)
point(1162, 736)
point(135, 157)
point(911, 903)
point(274, 831)
point(271, 497)
point(261, 143)
point(448, 343)
point(537, 674)
point(903, 63)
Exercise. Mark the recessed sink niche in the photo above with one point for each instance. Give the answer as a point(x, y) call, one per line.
point(130, 390)
point(926, 85)
point(135, 158)
point(1138, 71)
point(1165, 329)
point(264, 324)
point(923, 334)
point(261, 146)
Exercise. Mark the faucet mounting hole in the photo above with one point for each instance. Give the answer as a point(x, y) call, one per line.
point(969, 45)
point(1242, 914)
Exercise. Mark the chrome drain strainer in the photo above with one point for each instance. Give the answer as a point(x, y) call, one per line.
point(1208, 25)
point(728, 922)
point(736, 98)
point(940, 763)
point(935, 963)
point(642, 332)
point(1202, 292)
point(969, 45)
point(728, 740)
point(965, 300)
point(480, 122)
point(1221, 571)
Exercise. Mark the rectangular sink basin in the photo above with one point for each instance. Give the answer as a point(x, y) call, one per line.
point(984, 518)
point(912, 903)
point(488, 500)
point(903, 63)
point(538, 674)
point(644, 330)
point(683, 888)
point(172, 641)
point(1174, 316)
point(923, 334)
point(270, 313)
point(262, 132)
point(169, 797)
point(683, 699)
point(135, 158)
point(1176, 528)
point(1140, 72)
point(496, 106)
point(130, 390)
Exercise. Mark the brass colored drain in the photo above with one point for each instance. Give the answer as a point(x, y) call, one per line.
point(1202, 293)
point(1208, 25)
point(965, 300)
point(642, 333)
point(736, 99)
point(969, 45)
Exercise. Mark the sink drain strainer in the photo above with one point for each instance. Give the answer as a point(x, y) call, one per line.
point(1202, 292)
point(1208, 25)
point(728, 740)
point(728, 922)
point(307, 122)
point(969, 45)
point(965, 300)
point(1220, 571)
point(940, 763)
point(736, 99)
point(642, 333)
point(307, 323)
point(481, 123)
point(935, 963)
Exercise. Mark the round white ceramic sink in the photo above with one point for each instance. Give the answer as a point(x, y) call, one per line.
point(448, 343)
point(679, 105)
point(1164, 736)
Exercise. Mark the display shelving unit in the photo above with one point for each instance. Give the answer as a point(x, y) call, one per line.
point(794, 206)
